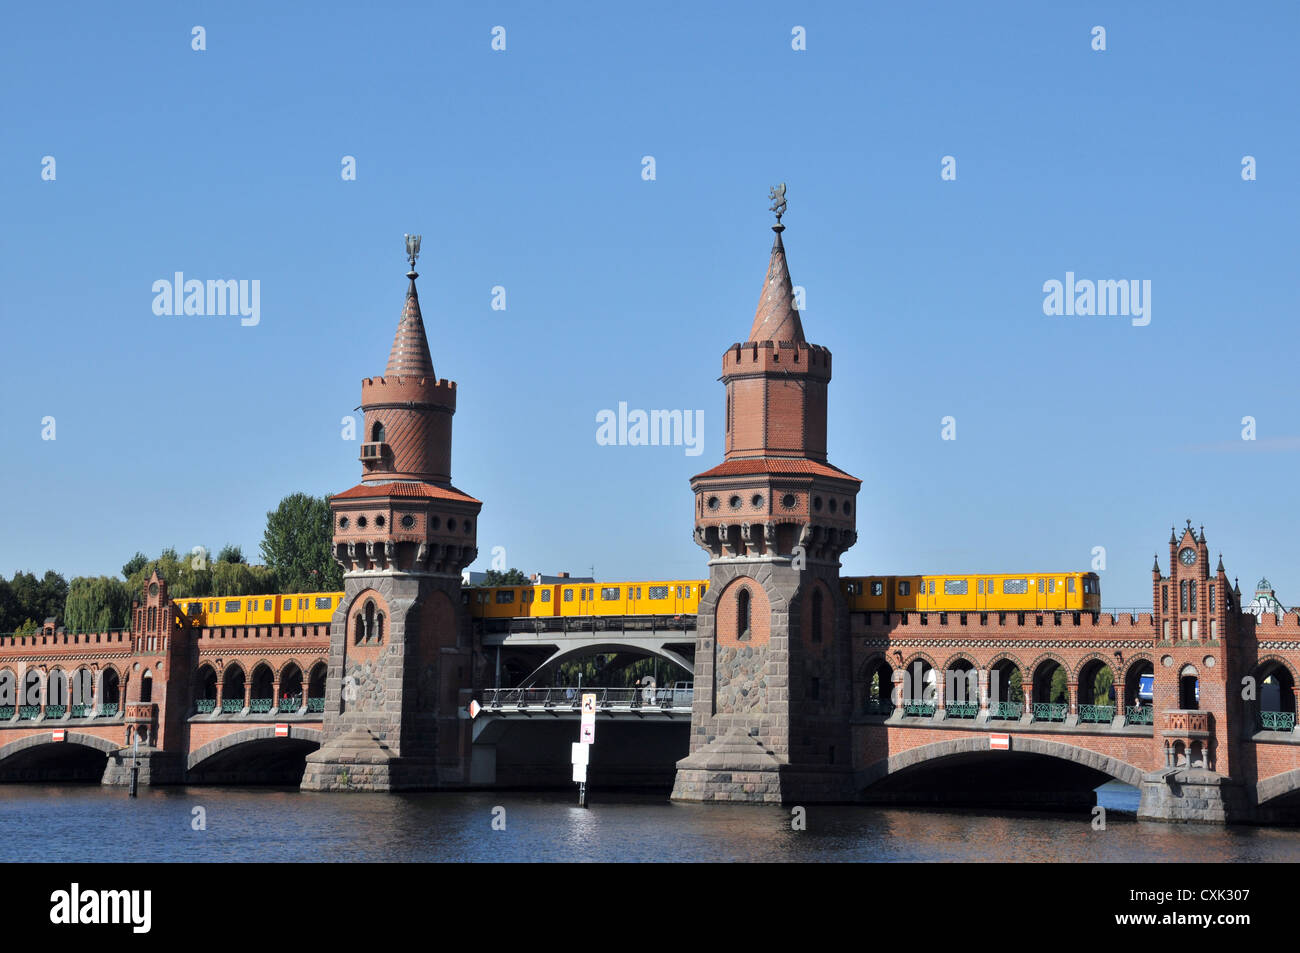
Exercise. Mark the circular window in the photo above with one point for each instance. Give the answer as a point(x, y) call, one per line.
point(379, 521)
point(832, 506)
point(848, 507)
point(712, 503)
point(361, 522)
point(451, 523)
point(408, 521)
point(434, 522)
point(343, 522)
point(789, 501)
point(757, 500)
point(817, 503)
point(153, 588)
point(734, 502)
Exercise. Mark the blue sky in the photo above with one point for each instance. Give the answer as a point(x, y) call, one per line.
point(523, 169)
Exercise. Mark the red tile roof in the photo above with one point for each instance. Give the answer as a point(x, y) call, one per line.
point(777, 465)
point(426, 491)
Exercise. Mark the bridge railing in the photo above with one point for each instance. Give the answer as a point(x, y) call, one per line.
point(570, 699)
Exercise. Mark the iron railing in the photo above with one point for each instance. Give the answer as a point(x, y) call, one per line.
point(290, 703)
point(109, 710)
point(7, 712)
point(566, 699)
point(962, 709)
point(260, 706)
point(205, 706)
point(316, 704)
point(1277, 720)
point(915, 709)
point(1050, 711)
point(229, 705)
point(1140, 715)
point(1007, 711)
point(1097, 714)
point(626, 623)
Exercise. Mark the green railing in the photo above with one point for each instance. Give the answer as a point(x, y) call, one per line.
point(6, 712)
point(292, 703)
point(231, 705)
point(55, 711)
point(876, 706)
point(1006, 711)
point(28, 712)
point(918, 709)
point(962, 709)
point(316, 704)
point(260, 706)
point(205, 706)
point(80, 711)
point(1050, 711)
point(1140, 715)
point(108, 710)
point(1097, 713)
point(1277, 720)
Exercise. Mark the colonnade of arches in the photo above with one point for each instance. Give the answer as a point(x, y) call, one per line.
point(259, 690)
point(1046, 689)
point(78, 692)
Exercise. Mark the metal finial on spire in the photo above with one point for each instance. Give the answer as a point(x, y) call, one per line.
point(412, 248)
point(777, 195)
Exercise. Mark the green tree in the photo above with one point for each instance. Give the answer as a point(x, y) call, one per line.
point(134, 564)
point(298, 545)
point(511, 577)
point(1059, 690)
point(28, 627)
point(1103, 687)
point(97, 604)
point(1016, 688)
point(231, 554)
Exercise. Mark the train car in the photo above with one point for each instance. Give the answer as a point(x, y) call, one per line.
point(307, 608)
point(999, 592)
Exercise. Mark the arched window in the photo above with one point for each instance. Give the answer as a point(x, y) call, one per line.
point(359, 634)
point(1182, 595)
point(817, 615)
point(379, 628)
point(377, 432)
point(370, 621)
point(742, 615)
point(146, 687)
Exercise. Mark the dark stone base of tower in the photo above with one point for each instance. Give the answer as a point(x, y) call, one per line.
point(155, 767)
point(1193, 796)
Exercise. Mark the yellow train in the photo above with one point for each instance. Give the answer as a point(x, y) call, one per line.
point(655, 597)
point(296, 608)
point(996, 592)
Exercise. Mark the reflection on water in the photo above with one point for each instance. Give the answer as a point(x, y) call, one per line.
point(69, 823)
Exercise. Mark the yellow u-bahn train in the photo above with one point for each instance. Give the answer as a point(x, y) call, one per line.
point(996, 592)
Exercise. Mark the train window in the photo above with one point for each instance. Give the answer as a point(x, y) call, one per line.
point(193, 607)
point(687, 591)
point(546, 595)
point(931, 587)
point(954, 587)
point(877, 588)
point(904, 588)
point(980, 587)
point(568, 595)
point(1069, 584)
point(1051, 586)
point(1040, 587)
point(232, 606)
point(658, 592)
point(609, 592)
point(252, 604)
point(504, 596)
point(288, 604)
point(1015, 587)
point(322, 602)
point(302, 603)
point(266, 606)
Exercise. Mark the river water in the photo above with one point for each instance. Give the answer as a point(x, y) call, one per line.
point(89, 823)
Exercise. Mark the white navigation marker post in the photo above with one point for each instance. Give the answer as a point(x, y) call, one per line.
point(582, 750)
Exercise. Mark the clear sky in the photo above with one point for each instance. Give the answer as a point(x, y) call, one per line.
point(523, 169)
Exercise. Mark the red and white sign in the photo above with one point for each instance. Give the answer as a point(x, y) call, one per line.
point(588, 707)
point(587, 734)
point(60, 734)
point(1000, 742)
point(474, 708)
point(281, 730)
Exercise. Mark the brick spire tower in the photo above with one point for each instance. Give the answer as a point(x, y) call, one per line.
point(399, 642)
point(773, 691)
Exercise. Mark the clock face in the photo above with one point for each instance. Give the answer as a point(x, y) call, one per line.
point(1188, 556)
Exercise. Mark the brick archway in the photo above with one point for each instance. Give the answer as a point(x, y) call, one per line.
point(234, 739)
point(1119, 770)
point(47, 738)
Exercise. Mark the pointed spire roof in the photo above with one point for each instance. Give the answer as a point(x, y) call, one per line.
point(776, 318)
point(410, 354)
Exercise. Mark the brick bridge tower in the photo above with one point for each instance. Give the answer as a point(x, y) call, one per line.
point(773, 692)
point(400, 650)
point(1196, 689)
